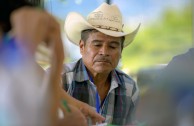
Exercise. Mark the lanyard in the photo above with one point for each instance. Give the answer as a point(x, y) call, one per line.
point(97, 96)
point(97, 102)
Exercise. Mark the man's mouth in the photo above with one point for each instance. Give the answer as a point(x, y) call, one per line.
point(103, 61)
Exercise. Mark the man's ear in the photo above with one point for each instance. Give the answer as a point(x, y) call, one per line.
point(81, 46)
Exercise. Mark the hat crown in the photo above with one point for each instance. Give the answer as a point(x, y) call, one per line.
point(106, 17)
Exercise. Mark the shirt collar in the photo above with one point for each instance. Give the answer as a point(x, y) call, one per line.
point(116, 80)
point(81, 72)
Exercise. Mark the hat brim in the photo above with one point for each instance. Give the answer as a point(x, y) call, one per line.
point(75, 24)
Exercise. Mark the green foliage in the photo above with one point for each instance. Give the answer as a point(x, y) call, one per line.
point(168, 36)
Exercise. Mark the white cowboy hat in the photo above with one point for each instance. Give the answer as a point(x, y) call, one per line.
point(106, 19)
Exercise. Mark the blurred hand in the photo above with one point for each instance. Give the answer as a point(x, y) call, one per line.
point(87, 110)
point(30, 27)
point(90, 112)
point(72, 118)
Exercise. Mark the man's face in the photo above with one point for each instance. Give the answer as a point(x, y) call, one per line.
point(101, 53)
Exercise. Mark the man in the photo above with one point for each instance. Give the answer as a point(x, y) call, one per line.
point(94, 78)
point(26, 97)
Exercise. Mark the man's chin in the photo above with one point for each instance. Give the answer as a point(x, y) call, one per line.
point(102, 70)
point(104, 63)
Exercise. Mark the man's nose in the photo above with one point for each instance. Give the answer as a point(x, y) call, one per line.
point(104, 51)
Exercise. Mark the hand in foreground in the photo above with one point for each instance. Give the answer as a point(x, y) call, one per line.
point(87, 110)
point(30, 27)
point(72, 117)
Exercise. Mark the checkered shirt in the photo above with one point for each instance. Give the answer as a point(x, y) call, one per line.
point(120, 103)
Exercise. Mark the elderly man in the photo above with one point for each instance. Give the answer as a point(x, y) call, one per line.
point(94, 78)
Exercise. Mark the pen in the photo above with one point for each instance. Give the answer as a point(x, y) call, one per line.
point(66, 106)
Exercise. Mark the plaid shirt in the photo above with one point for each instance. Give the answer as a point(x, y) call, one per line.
point(119, 105)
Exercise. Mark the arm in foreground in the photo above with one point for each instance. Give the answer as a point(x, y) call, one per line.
point(32, 26)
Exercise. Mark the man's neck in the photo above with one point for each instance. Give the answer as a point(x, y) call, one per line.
point(102, 82)
point(99, 79)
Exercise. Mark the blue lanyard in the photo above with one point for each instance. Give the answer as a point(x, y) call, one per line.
point(97, 97)
point(97, 103)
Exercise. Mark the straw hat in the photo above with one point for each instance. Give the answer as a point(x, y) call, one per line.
point(106, 19)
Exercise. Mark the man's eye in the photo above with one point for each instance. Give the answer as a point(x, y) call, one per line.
point(113, 47)
point(97, 44)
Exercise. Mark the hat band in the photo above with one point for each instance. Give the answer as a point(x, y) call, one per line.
point(107, 28)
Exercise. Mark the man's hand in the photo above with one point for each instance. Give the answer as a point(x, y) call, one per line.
point(74, 117)
point(87, 110)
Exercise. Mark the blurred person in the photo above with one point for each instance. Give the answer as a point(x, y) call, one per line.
point(170, 99)
point(178, 75)
point(155, 108)
point(27, 95)
point(94, 78)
